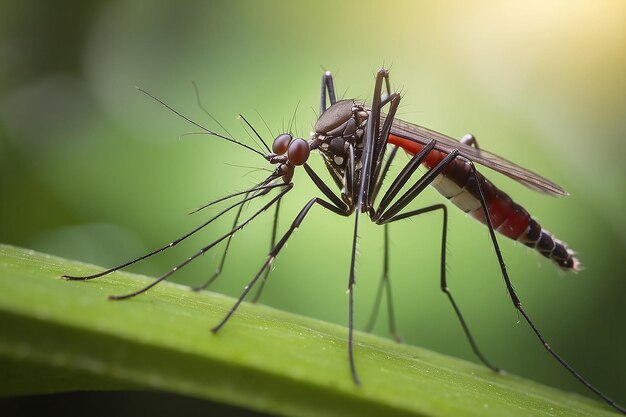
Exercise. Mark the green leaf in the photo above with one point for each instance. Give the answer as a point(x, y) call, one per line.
point(62, 335)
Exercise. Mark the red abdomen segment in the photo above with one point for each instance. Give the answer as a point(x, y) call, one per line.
point(458, 185)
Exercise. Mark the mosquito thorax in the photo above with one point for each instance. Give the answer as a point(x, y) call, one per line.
point(339, 127)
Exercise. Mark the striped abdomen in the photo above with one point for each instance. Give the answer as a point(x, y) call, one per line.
point(458, 185)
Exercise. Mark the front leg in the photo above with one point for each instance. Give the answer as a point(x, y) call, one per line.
point(275, 250)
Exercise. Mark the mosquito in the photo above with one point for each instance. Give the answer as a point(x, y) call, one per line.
point(358, 145)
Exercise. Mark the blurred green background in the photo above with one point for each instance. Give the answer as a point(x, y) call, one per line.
point(92, 170)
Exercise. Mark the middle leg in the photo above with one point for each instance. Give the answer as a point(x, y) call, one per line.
point(444, 283)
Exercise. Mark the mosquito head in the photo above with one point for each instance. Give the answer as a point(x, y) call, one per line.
point(288, 153)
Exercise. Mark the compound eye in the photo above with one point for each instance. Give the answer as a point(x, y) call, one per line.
point(298, 151)
point(281, 144)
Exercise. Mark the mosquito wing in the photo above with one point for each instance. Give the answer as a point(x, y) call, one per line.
point(446, 144)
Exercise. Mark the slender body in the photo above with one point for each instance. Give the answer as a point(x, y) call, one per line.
point(358, 145)
point(341, 128)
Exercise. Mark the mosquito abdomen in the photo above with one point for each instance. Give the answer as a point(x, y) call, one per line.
point(513, 221)
point(508, 218)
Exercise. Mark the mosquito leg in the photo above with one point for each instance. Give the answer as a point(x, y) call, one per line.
point(202, 251)
point(391, 317)
point(319, 183)
point(351, 282)
point(381, 144)
point(402, 178)
point(383, 173)
point(355, 376)
point(387, 85)
point(275, 251)
point(379, 296)
point(382, 213)
point(372, 133)
point(263, 190)
point(349, 175)
point(417, 188)
point(444, 284)
point(384, 280)
point(385, 284)
point(218, 271)
point(384, 217)
point(327, 85)
point(272, 243)
point(518, 305)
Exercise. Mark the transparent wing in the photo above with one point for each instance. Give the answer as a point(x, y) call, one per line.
point(446, 144)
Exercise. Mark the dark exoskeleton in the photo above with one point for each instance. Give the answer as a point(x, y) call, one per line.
point(356, 145)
